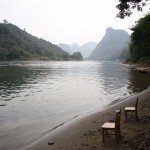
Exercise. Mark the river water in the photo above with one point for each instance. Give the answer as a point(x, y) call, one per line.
point(37, 96)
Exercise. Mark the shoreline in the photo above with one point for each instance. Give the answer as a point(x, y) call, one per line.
point(84, 132)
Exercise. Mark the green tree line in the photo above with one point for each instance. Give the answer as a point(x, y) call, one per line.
point(18, 44)
point(140, 41)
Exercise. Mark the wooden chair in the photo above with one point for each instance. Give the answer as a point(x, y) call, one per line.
point(110, 126)
point(132, 110)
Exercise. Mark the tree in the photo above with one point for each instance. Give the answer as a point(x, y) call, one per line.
point(5, 21)
point(14, 53)
point(126, 6)
point(65, 56)
point(140, 41)
point(77, 56)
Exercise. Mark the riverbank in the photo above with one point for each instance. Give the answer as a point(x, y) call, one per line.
point(142, 68)
point(84, 133)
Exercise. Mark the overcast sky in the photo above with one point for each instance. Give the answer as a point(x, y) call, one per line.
point(65, 21)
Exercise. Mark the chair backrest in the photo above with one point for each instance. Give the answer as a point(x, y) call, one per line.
point(136, 104)
point(118, 117)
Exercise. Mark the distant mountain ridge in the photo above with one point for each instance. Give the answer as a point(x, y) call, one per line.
point(85, 49)
point(65, 47)
point(111, 45)
point(17, 44)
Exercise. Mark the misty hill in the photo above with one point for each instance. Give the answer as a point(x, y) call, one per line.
point(86, 49)
point(111, 45)
point(18, 44)
point(75, 47)
point(66, 48)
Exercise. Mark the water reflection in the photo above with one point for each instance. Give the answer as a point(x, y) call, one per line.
point(18, 76)
point(111, 77)
point(138, 81)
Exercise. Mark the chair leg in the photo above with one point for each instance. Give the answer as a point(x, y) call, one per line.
point(136, 115)
point(103, 138)
point(116, 135)
point(106, 133)
point(125, 115)
point(119, 132)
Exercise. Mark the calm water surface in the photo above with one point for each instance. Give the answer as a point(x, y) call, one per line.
point(37, 96)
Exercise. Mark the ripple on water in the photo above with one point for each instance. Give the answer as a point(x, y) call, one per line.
point(46, 94)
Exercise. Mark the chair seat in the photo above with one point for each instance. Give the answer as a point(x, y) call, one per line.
point(130, 108)
point(108, 125)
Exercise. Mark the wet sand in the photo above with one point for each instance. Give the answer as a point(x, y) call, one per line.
point(84, 132)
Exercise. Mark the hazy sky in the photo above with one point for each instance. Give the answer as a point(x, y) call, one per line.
point(65, 21)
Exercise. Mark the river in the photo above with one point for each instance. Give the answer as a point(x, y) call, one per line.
point(38, 96)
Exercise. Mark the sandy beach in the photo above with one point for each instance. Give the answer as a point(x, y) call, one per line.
point(84, 132)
